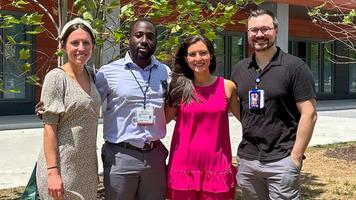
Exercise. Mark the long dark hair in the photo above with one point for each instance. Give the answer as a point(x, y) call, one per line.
point(181, 88)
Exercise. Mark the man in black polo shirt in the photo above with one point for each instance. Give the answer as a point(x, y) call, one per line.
point(278, 125)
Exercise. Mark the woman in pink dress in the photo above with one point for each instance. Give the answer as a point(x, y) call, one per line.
point(200, 163)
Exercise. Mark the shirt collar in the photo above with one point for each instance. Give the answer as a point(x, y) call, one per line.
point(129, 63)
point(276, 59)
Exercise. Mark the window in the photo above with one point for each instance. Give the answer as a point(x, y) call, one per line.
point(318, 56)
point(11, 67)
point(237, 51)
point(328, 68)
point(352, 73)
point(11, 75)
point(220, 55)
point(229, 50)
point(315, 63)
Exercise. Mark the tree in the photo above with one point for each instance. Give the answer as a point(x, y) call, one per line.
point(339, 21)
point(111, 18)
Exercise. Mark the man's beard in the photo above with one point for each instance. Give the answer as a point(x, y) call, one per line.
point(269, 45)
point(140, 55)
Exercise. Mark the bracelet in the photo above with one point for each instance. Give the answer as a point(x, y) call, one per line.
point(52, 167)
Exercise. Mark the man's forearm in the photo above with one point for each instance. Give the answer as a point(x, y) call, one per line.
point(305, 128)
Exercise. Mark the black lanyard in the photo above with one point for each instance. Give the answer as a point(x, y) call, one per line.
point(258, 78)
point(148, 85)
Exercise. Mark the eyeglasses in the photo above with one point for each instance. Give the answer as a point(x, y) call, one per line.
point(263, 29)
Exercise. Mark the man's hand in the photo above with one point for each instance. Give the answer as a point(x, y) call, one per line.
point(39, 109)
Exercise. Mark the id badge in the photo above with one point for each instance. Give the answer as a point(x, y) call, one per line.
point(256, 99)
point(145, 116)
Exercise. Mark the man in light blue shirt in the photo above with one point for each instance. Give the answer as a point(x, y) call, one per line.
point(134, 122)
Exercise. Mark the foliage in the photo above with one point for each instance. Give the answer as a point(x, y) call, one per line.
point(339, 21)
point(174, 19)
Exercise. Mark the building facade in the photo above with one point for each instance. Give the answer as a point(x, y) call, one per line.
point(297, 35)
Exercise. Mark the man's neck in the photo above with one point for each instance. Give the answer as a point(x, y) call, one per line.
point(263, 58)
point(142, 63)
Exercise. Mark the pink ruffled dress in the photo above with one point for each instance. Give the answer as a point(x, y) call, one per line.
point(200, 156)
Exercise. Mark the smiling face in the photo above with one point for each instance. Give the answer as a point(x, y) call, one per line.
point(198, 57)
point(261, 32)
point(142, 41)
point(79, 47)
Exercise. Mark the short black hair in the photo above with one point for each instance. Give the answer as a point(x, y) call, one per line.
point(142, 20)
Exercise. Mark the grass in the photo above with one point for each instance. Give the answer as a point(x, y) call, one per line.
point(327, 174)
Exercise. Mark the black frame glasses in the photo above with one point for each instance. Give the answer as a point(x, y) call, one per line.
point(263, 29)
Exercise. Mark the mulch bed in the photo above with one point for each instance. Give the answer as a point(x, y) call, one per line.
point(346, 153)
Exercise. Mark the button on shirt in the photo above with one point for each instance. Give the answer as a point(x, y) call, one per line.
point(118, 86)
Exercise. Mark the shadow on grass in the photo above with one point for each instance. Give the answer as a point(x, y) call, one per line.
point(311, 187)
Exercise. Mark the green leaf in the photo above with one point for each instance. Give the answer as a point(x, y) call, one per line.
point(118, 35)
point(32, 19)
point(241, 2)
point(26, 67)
point(33, 80)
point(99, 42)
point(98, 24)
point(11, 39)
point(19, 4)
point(10, 20)
point(114, 4)
point(37, 30)
point(258, 2)
point(24, 42)
point(24, 54)
point(78, 3)
point(229, 8)
point(88, 16)
point(82, 10)
point(175, 28)
point(14, 91)
point(91, 5)
point(211, 35)
point(163, 56)
point(347, 20)
point(60, 52)
point(127, 10)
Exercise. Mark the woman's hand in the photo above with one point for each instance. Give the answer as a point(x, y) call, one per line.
point(55, 185)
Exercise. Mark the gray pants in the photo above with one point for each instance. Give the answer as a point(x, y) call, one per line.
point(134, 175)
point(269, 180)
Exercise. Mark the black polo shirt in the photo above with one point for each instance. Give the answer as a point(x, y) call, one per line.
point(269, 133)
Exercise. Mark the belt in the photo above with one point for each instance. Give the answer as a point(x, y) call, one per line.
point(147, 147)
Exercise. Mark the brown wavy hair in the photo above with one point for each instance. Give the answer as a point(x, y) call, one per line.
point(182, 88)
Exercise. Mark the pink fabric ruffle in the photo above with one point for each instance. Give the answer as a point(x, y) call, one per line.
point(202, 180)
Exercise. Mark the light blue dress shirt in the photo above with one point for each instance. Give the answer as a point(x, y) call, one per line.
point(118, 86)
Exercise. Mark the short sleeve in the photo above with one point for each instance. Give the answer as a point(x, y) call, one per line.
point(52, 95)
point(303, 84)
point(102, 84)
